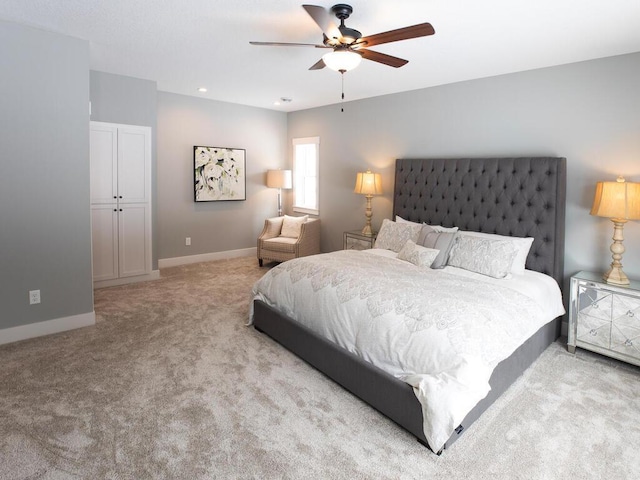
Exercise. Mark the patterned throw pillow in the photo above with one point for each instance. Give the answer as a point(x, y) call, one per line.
point(291, 226)
point(482, 255)
point(521, 245)
point(393, 236)
point(418, 255)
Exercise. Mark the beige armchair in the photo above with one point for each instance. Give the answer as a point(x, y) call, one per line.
point(273, 247)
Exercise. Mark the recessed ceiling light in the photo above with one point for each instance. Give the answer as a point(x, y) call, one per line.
point(282, 100)
point(202, 90)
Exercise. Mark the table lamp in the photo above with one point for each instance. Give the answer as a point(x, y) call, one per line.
point(368, 184)
point(279, 179)
point(619, 201)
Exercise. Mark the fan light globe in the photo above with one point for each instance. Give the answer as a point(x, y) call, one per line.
point(341, 60)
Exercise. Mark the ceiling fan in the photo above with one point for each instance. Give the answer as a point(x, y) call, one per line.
point(347, 44)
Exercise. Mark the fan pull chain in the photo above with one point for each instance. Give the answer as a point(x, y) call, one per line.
point(342, 78)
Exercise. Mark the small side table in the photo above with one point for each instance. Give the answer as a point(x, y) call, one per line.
point(356, 240)
point(604, 318)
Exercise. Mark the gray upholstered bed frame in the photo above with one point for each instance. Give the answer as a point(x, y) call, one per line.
point(522, 197)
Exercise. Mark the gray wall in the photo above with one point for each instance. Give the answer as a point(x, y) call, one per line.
point(587, 112)
point(132, 101)
point(45, 231)
point(185, 121)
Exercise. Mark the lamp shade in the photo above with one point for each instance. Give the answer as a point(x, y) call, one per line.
point(368, 183)
point(619, 199)
point(279, 179)
point(341, 60)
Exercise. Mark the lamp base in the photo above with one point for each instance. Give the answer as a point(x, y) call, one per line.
point(279, 202)
point(368, 213)
point(615, 276)
point(367, 230)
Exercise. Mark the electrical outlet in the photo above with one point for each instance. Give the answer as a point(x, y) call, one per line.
point(187, 241)
point(34, 297)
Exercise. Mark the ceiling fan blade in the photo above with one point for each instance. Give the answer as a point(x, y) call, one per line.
point(322, 18)
point(319, 65)
point(415, 31)
point(382, 58)
point(288, 44)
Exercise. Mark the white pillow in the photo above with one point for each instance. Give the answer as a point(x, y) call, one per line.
point(291, 226)
point(393, 236)
point(483, 255)
point(437, 228)
point(418, 255)
point(521, 245)
point(399, 219)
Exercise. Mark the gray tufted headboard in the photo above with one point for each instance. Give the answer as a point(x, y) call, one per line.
point(521, 197)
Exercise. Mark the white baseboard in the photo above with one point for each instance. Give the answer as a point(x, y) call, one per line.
point(207, 257)
point(154, 275)
point(57, 325)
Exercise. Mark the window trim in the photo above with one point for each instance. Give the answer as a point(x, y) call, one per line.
point(307, 141)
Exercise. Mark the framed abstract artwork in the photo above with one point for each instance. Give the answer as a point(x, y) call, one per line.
point(219, 174)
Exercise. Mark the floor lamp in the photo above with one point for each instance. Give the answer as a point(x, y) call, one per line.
point(368, 184)
point(618, 201)
point(279, 179)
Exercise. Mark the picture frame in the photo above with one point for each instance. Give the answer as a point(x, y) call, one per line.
point(219, 174)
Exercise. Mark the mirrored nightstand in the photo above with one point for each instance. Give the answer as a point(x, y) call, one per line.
point(604, 318)
point(356, 240)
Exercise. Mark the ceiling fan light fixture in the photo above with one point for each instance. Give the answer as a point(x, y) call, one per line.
point(342, 60)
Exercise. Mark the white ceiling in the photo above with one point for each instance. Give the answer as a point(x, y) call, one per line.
point(187, 44)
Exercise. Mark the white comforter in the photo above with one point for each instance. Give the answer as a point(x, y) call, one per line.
point(440, 332)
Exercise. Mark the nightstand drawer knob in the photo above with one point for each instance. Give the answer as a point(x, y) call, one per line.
point(630, 314)
point(594, 305)
point(593, 332)
point(628, 343)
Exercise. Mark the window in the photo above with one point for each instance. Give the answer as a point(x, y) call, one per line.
point(305, 175)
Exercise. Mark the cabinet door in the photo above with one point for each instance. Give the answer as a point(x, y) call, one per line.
point(625, 330)
point(594, 316)
point(134, 239)
point(134, 164)
point(103, 156)
point(104, 232)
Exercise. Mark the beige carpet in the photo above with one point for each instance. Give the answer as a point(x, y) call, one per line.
point(171, 384)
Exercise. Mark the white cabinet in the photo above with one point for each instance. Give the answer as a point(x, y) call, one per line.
point(104, 234)
point(134, 255)
point(120, 200)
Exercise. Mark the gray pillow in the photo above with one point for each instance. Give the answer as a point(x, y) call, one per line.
point(442, 241)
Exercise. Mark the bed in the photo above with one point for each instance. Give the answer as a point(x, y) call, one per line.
point(515, 197)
